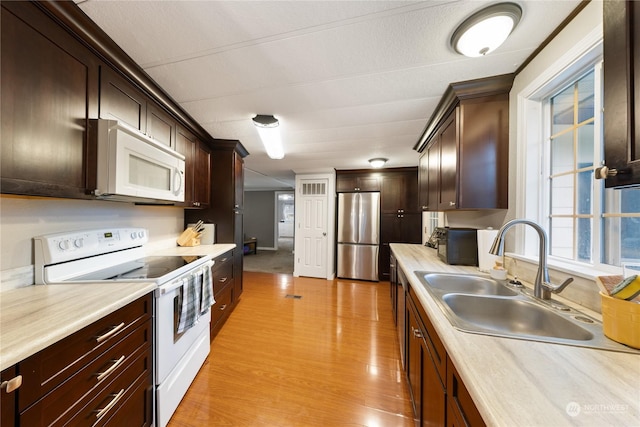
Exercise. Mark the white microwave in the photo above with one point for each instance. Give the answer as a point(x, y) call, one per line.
point(134, 167)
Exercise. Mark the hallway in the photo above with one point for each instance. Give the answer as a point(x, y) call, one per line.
point(302, 352)
point(266, 261)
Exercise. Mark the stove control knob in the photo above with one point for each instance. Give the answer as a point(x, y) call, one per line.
point(141, 234)
point(134, 236)
point(64, 245)
point(78, 243)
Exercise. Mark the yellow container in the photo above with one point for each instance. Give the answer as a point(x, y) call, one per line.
point(621, 320)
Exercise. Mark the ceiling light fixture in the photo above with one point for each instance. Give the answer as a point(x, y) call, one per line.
point(486, 30)
point(269, 132)
point(377, 162)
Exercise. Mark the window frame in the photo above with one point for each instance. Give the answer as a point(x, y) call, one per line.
point(533, 126)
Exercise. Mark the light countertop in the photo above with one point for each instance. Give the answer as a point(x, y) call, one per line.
point(213, 250)
point(525, 383)
point(34, 317)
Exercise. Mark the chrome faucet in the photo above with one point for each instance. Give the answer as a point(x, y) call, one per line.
point(542, 287)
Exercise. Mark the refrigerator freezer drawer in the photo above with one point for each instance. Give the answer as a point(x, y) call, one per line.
point(358, 262)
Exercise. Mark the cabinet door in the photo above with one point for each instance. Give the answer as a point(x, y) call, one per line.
point(414, 360)
point(161, 126)
point(430, 399)
point(433, 184)
point(461, 410)
point(433, 397)
point(483, 153)
point(393, 195)
point(202, 178)
point(186, 145)
point(448, 181)
point(346, 183)
point(49, 89)
point(238, 173)
point(423, 181)
point(368, 183)
point(120, 100)
point(350, 182)
point(621, 94)
point(399, 192)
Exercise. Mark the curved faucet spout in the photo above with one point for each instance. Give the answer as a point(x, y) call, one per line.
point(542, 287)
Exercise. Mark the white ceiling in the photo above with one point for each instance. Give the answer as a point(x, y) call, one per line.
point(348, 80)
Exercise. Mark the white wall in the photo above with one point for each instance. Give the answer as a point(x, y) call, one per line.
point(22, 218)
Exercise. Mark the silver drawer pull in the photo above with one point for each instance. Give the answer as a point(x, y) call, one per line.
point(223, 279)
point(12, 384)
point(103, 411)
point(110, 333)
point(223, 307)
point(111, 368)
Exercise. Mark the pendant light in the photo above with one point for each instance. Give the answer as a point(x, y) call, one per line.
point(486, 30)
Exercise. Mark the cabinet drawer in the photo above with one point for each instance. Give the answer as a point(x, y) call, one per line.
point(93, 377)
point(222, 274)
point(83, 411)
point(222, 306)
point(222, 260)
point(130, 413)
point(50, 367)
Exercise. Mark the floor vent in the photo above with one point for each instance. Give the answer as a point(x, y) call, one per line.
point(293, 296)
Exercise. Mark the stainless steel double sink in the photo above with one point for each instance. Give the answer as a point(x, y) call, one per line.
point(478, 304)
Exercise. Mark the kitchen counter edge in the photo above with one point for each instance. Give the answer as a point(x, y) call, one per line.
point(35, 317)
point(518, 382)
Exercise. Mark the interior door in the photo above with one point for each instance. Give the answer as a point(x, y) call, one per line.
point(311, 227)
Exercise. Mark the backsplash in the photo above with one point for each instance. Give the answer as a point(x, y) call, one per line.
point(25, 217)
point(581, 291)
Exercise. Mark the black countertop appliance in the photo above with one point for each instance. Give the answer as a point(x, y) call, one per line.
point(457, 246)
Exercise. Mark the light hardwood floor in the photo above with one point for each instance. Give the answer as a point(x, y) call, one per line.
point(329, 358)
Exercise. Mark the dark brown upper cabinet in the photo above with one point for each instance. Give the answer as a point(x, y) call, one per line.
point(465, 148)
point(622, 93)
point(120, 100)
point(357, 180)
point(197, 188)
point(59, 70)
point(49, 91)
point(161, 126)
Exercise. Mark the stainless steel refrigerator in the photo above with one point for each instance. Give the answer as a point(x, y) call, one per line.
point(358, 235)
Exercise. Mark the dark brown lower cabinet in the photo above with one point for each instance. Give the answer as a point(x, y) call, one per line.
point(99, 375)
point(427, 389)
point(438, 393)
point(223, 291)
point(8, 397)
point(461, 411)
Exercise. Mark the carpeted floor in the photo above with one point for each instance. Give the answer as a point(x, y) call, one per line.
point(280, 261)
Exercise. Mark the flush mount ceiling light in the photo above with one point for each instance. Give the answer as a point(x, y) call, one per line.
point(269, 132)
point(377, 162)
point(486, 30)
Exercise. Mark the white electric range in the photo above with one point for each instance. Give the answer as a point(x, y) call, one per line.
point(183, 296)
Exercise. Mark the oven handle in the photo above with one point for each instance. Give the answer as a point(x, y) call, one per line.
point(179, 282)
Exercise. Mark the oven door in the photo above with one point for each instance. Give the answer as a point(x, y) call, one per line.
point(171, 346)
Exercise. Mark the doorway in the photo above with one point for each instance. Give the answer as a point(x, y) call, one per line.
point(284, 215)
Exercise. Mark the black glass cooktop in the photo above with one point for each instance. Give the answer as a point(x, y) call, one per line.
point(148, 268)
